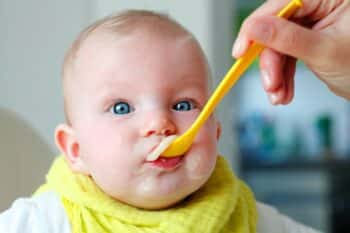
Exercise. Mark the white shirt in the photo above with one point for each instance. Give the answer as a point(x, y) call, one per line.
point(45, 214)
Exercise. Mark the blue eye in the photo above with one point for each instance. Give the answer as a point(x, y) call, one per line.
point(184, 105)
point(121, 108)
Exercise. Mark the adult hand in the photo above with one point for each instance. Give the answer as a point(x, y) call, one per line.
point(318, 34)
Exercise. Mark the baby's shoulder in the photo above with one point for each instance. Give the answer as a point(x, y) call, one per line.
point(42, 213)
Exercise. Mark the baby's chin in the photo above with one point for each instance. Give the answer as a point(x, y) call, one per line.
point(161, 201)
point(163, 190)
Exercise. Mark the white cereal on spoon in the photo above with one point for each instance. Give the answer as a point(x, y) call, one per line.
point(154, 155)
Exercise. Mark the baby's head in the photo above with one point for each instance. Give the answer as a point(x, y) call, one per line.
point(130, 80)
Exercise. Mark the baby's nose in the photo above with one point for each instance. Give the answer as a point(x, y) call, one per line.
point(159, 125)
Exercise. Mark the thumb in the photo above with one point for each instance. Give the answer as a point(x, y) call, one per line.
point(287, 37)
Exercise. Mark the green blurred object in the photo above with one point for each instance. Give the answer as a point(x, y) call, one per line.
point(324, 124)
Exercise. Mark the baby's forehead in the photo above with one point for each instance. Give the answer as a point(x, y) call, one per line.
point(104, 51)
point(103, 37)
point(103, 44)
point(104, 63)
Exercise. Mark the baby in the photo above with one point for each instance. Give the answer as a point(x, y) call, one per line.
point(129, 81)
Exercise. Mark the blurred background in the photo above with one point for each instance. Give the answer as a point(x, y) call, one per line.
point(295, 157)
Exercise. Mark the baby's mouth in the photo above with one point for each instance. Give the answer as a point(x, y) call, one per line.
point(156, 152)
point(167, 163)
point(156, 159)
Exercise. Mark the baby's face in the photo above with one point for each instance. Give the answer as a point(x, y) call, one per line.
point(129, 94)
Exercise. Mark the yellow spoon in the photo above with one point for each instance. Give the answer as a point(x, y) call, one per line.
point(182, 143)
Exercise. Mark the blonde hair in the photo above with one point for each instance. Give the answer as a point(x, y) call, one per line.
point(121, 25)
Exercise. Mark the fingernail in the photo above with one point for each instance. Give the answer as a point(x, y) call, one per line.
point(273, 97)
point(266, 79)
point(237, 48)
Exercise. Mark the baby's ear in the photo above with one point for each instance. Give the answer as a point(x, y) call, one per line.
point(218, 130)
point(68, 144)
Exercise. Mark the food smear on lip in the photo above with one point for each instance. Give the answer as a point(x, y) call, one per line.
point(154, 155)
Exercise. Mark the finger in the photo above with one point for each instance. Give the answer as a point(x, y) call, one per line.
point(285, 93)
point(240, 45)
point(289, 38)
point(242, 41)
point(313, 9)
point(269, 8)
point(271, 66)
point(289, 73)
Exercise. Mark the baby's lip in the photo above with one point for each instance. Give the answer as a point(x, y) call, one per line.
point(167, 163)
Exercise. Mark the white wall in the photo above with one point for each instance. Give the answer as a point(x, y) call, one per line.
point(34, 36)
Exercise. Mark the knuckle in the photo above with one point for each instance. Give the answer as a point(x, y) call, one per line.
point(290, 37)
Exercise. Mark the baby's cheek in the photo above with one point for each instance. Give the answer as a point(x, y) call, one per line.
point(200, 165)
point(194, 167)
point(201, 161)
point(185, 120)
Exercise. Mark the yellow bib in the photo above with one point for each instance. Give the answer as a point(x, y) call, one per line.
point(223, 204)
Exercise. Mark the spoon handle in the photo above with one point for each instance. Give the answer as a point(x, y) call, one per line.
point(235, 72)
point(182, 143)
